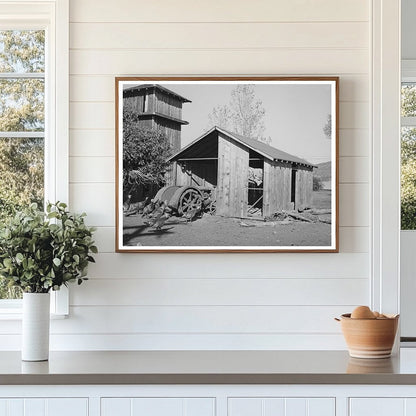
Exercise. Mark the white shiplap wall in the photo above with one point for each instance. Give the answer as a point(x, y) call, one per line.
point(218, 301)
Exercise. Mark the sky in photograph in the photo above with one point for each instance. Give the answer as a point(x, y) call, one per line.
point(294, 118)
point(295, 114)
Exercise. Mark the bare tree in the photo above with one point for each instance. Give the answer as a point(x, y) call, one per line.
point(244, 114)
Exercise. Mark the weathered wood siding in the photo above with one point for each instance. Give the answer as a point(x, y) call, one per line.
point(171, 130)
point(170, 175)
point(198, 172)
point(276, 186)
point(145, 103)
point(134, 101)
point(140, 101)
point(232, 193)
point(168, 105)
point(146, 123)
point(304, 187)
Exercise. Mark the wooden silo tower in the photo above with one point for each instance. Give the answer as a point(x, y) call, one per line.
point(159, 108)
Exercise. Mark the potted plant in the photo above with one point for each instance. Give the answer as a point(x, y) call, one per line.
point(40, 252)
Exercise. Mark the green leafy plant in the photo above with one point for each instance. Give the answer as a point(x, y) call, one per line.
point(43, 251)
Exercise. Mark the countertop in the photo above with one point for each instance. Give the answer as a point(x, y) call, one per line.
point(207, 367)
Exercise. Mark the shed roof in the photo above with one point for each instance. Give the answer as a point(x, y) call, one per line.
point(262, 148)
point(159, 87)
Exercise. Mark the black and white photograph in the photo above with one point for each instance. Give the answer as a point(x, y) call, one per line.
point(227, 164)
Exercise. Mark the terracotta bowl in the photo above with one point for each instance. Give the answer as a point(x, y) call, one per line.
point(369, 338)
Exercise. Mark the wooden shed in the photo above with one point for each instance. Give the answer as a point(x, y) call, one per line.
point(157, 107)
point(247, 174)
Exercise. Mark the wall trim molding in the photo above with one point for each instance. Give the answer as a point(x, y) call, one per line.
point(385, 99)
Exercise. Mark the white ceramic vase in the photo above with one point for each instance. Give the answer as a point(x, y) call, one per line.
point(35, 326)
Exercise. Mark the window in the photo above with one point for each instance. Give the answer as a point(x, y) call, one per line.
point(408, 154)
point(22, 124)
point(33, 112)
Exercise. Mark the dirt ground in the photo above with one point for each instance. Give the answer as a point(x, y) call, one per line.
point(219, 231)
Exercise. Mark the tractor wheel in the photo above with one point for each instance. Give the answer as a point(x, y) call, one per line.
point(191, 199)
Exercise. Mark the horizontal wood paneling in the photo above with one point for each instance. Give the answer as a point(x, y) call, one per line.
point(221, 291)
point(194, 320)
point(146, 342)
point(354, 239)
point(218, 11)
point(105, 239)
point(354, 170)
point(96, 199)
point(231, 62)
point(201, 319)
point(354, 208)
point(99, 88)
point(287, 297)
point(354, 142)
point(92, 115)
point(90, 169)
point(93, 143)
point(221, 36)
point(354, 115)
point(195, 266)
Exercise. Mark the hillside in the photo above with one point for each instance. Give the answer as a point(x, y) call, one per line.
point(323, 171)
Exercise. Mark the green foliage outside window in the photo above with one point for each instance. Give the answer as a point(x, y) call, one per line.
point(21, 110)
point(408, 160)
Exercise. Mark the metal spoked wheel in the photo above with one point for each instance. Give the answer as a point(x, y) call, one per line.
point(190, 200)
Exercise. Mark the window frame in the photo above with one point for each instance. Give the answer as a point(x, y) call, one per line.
point(408, 76)
point(53, 17)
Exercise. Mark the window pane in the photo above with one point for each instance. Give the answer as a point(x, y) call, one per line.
point(408, 178)
point(21, 109)
point(21, 182)
point(21, 173)
point(22, 51)
point(22, 104)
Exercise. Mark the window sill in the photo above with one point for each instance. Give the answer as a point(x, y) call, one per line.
point(13, 315)
point(11, 309)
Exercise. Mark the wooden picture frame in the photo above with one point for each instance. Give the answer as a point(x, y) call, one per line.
point(227, 164)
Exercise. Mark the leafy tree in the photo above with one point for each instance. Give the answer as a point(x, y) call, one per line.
point(21, 109)
point(408, 161)
point(317, 183)
point(244, 114)
point(328, 127)
point(145, 153)
point(408, 179)
point(408, 103)
point(408, 195)
point(22, 176)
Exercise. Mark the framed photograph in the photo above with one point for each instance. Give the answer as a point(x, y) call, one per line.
point(226, 164)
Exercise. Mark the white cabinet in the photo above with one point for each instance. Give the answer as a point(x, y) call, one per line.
point(208, 400)
point(44, 407)
point(146, 406)
point(382, 406)
point(281, 406)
